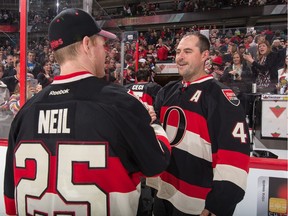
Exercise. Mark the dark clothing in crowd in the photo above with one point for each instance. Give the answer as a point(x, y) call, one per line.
point(11, 83)
point(268, 69)
point(10, 71)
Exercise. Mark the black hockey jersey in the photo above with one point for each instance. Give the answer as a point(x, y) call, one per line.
point(146, 91)
point(209, 136)
point(79, 147)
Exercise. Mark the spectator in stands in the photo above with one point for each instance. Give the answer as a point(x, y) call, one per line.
point(237, 76)
point(241, 49)
point(128, 60)
point(151, 8)
point(236, 38)
point(45, 77)
point(43, 55)
point(114, 54)
point(2, 59)
point(140, 8)
point(33, 66)
point(142, 53)
point(169, 34)
point(9, 66)
point(54, 65)
point(117, 73)
point(163, 32)
point(12, 82)
point(1, 70)
point(4, 91)
point(217, 67)
point(143, 88)
point(162, 50)
point(143, 64)
point(127, 10)
point(282, 52)
point(227, 57)
point(152, 51)
point(265, 67)
point(276, 45)
point(278, 48)
point(180, 5)
point(14, 101)
point(129, 49)
point(282, 85)
point(151, 39)
point(110, 68)
point(16, 57)
point(129, 75)
point(253, 49)
point(224, 44)
point(277, 35)
point(151, 62)
point(249, 40)
point(4, 55)
point(268, 33)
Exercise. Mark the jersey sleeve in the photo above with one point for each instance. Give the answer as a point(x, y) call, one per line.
point(9, 185)
point(154, 91)
point(147, 143)
point(230, 143)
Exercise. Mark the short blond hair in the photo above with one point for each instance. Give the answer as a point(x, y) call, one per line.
point(70, 52)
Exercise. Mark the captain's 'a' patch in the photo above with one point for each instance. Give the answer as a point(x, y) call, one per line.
point(231, 97)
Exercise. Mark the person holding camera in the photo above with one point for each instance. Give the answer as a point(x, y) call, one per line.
point(264, 67)
point(238, 75)
point(45, 77)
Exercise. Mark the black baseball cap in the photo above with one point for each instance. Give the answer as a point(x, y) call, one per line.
point(71, 26)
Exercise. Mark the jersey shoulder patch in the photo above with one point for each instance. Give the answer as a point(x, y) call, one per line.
point(231, 97)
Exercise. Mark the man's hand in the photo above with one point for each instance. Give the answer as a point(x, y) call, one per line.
point(151, 112)
point(205, 212)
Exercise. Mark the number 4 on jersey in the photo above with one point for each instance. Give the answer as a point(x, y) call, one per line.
point(239, 132)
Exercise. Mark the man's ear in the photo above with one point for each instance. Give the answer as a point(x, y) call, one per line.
point(85, 43)
point(205, 55)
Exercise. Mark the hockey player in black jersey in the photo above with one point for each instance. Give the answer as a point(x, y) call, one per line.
point(80, 146)
point(206, 127)
point(143, 88)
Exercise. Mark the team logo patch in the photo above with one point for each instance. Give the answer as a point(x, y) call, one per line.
point(231, 97)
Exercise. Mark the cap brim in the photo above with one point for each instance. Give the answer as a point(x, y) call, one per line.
point(107, 34)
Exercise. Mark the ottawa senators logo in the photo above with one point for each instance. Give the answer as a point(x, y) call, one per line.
point(231, 97)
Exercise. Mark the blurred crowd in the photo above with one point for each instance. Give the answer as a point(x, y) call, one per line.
point(7, 17)
point(148, 8)
point(238, 57)
point(40, 19)
point(228, 48)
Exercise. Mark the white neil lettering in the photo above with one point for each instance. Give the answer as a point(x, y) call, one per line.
point(53, 121)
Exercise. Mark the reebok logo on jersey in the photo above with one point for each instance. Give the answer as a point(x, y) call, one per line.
point(231, 97)
point(60, 92)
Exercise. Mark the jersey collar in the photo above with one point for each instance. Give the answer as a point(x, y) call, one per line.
point(72, 77)
point(201, 79)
